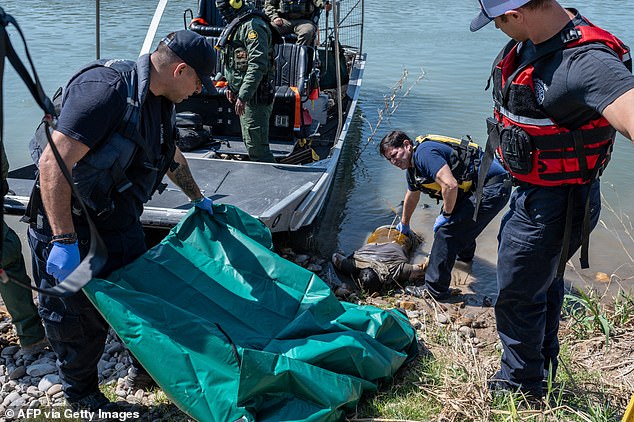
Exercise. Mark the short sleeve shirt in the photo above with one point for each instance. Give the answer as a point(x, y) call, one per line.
point(93, 106)
point(577, 84)
point(431, 156)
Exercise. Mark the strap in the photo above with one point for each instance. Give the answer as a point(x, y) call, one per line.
point(567, 139)
point(557, 44)
point(97, 255)
point(563, 258)
point(493, 143)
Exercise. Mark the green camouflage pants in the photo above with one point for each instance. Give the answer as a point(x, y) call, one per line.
point(255, 132)
point(19, 300)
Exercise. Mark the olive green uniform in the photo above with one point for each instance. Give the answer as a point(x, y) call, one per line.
point(299, 22)
point(248, 59)
point(18, 300)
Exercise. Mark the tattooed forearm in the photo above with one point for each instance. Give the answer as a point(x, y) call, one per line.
point(183, 178)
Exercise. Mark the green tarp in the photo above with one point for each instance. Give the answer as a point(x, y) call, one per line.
point(231, 331)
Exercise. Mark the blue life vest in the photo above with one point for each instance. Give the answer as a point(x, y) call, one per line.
point(103, 169)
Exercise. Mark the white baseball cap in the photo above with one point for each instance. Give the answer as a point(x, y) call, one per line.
point(491, 9)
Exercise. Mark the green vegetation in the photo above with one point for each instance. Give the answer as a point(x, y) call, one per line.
point(450, 383)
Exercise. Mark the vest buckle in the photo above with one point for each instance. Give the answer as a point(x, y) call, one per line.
point(570, 35)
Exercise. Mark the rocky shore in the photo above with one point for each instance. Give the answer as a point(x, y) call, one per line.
point(466, 323)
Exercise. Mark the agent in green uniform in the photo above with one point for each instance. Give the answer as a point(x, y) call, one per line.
point(19, 300)
point(296, 16)
point(247, 54)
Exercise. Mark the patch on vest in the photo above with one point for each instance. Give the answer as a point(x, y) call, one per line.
point(540, 90)
point(252, 35)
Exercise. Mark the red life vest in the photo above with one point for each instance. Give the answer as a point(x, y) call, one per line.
point(532, 146)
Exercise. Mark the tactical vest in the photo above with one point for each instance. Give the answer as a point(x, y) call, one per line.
point(103, 170)
point(532, 146)
point(235, 55)
point(464, 164)
point(296, 8)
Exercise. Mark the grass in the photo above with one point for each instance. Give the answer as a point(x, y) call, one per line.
point(450, 383)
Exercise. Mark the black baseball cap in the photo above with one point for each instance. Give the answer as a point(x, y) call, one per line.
point(194, 49)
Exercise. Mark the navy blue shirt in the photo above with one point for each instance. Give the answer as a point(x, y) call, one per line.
point(431, 156)
point(92, 109)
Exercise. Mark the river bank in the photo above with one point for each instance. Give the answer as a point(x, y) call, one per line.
point(459, 351)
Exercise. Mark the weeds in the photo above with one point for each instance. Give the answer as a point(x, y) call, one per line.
point(587, 314)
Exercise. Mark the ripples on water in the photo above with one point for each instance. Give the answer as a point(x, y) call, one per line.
point(427, 35)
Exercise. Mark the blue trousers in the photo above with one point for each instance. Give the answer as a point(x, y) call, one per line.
point(530, 295)
point(457, 237)
point(75, 329)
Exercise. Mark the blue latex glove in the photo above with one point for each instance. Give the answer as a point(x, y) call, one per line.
point(205, 204)
point(403, 228)
point(440, 220)
point(62, 260)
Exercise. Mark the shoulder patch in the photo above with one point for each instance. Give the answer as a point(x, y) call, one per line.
point(252, 35)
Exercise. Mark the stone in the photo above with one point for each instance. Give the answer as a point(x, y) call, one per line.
point(314, 268)
point(114, 348)
point(10, 398)
point(442, 319)
point(17, 373)
point(56, 388)
point(466, 331)
point(407, 305)
point(9, 351)
point(33, 391)
point(301, 259)
point(41, 369)
point(47, 382)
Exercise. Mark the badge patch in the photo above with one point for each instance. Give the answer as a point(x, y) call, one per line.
point(252, 35)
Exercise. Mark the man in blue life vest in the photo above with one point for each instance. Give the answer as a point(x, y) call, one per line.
point(296, 16)
point(446, 169)
point(561, 87)
point(116, 133)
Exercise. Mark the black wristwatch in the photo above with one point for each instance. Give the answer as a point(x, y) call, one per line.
point(445, 213)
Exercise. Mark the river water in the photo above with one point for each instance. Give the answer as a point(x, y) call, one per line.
point(427, 38)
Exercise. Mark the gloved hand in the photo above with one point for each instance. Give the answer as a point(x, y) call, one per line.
point(205, 204)
point(440, 220)
point(403, 228)
point(62, 260)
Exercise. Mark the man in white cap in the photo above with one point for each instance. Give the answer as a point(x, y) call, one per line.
point(561, 87)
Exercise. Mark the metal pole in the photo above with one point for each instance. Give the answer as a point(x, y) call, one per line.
point(98, 30)
point(335, 14)
point(151, 32)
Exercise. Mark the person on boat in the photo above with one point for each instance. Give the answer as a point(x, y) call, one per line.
point(554, 126)
point(446, 169)
point(246, 45)
point(19, 300)
point(383, 261)
point(115, 131)
point(296, 16)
